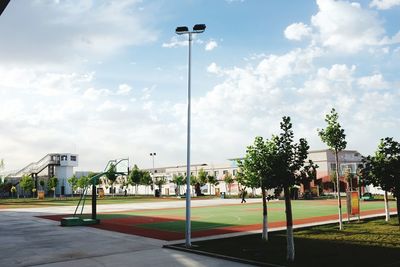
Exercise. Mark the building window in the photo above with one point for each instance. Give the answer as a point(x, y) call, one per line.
point(225, 172)
point(64, 157)
point(333, 167)
point(234, 172)
point(216, 173)
point(73, 158)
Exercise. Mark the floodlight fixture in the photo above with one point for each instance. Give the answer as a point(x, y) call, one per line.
point(182, 30)
point(199, 28)
point(3, 5)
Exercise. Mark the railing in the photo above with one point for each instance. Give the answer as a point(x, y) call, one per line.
point(36, 167)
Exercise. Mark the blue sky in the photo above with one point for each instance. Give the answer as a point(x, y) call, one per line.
point(108, 79)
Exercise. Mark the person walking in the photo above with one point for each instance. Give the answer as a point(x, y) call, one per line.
point(244, 193)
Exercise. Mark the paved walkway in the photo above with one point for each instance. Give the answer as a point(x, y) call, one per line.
point(30, 241)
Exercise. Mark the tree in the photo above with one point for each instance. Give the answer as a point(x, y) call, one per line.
point(289, 169)
point(83, 182)
point(193, 182)
point(26, 183)
point(52, 184)
point(160, 181)
point(255, 171)
point(348, 176)
point(135, 177)
point(111, 176)
point(332, 177)
point(178, 180)
point(42, 184)
point(202, 179)
point(228, 179)
point(146, 179)
point(73, 182)
point(383, 169)
point(13, 190)
point(333, 136)
point(212, 180)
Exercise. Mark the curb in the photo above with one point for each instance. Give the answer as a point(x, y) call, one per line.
point(219, 256)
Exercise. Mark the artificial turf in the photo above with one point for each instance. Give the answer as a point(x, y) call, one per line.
point(205, 218)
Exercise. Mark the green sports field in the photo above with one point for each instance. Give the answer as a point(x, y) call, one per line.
point(169, 224)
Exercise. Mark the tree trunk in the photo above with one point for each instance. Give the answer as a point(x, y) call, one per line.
point(289, 226)
point(397, 196)
point(387, 212)
point(265, 216)
point(338, 190)
point(334, 189)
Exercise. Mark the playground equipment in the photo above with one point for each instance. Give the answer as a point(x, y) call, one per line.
point(80, 219)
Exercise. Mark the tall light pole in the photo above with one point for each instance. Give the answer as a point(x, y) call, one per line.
point(198, 28)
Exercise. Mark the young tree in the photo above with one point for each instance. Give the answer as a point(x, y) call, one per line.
point(82, 183)
point(202, 177)
point(288, 169)
point(212, 180)
point(42, 184)
point(135, 177)
point(348, 176)
point(146, 179)
point(193, 182)
point(332, 177)
point(160, 181)
point(13, 190)
point(52, 184)
point(228, 179)
point(333, 136)
point(73, 182)
point(111, 176)
point(383, 170)
point(178, 180)
point(26, 183)
point(255, 171)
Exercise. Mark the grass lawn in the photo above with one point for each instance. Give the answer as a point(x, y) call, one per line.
point(73, 201)
point(368, 243)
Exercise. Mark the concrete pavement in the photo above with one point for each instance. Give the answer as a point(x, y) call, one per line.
point(30, 241)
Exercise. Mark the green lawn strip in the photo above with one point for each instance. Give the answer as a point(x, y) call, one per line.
point(30, 202)
point(369, 243)
point(204, 218)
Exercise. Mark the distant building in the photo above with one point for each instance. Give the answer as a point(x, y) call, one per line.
point(325, 159)
point(60, 165)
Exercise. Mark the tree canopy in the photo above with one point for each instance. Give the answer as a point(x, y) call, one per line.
point(383, 169)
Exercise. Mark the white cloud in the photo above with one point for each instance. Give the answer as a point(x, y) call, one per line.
point(297, 31)
point(346, 27)
point(384, 4)
point(95, 94)
point(123, 89)
point(211, 45)
point(71, 30)
point(175, 42)
point(213, 68)
point(375, 81)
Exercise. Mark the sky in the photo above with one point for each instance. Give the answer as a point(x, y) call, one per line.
point(108, 79)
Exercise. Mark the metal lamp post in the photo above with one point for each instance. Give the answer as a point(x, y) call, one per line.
point(198, 28)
